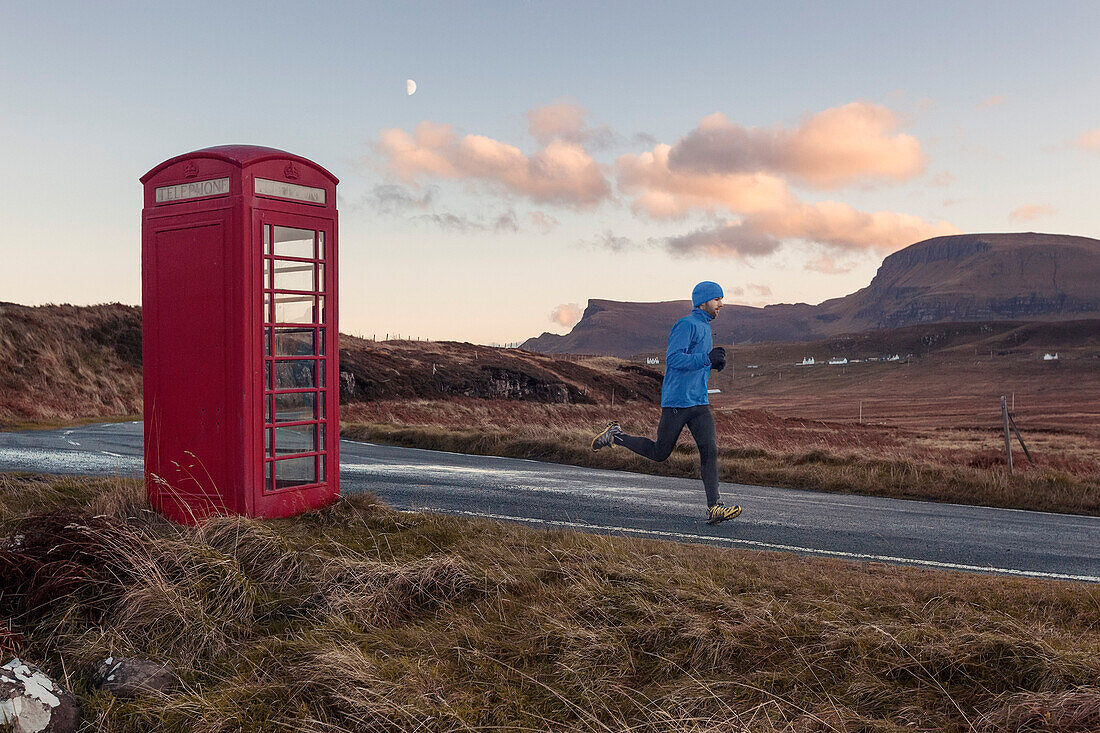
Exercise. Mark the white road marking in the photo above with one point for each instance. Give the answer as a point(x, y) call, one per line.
point(70, 442)
point(783, 548)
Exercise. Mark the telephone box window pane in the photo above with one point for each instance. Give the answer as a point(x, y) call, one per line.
point(268, 442)
point(290, 275)
point(295, 472)
point(290, 242)
point(320, 311)
point(321, 469)
point(267, 273)
point(267, 240)
point(321, 436)
point(321, 342)
point(320, 245)
point(267, 307)
point(320, 278)
point(297, 374)
point(267, 375)
point(268, 465)
point(294, 341)
point(293, 406)
point(296, 439)
point(294, 308)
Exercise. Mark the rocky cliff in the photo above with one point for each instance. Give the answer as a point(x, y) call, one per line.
point(967, 277)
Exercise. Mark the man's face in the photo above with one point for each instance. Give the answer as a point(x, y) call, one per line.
point(712, 306)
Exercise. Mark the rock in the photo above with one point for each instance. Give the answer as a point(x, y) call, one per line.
point(131, 677)
point(30, 702)
point(347, 385)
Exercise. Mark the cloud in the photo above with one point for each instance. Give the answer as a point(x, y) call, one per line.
point(561, 120)
point(735, 240)
point(828, 265)
point(839, 146)
point(760, 290)
point(564, 120)
point(941, 180)
point(566, 314)
point(994, 101)
point(1028, 212)
point(1089, 140)
point(543, 222)
point(388, 198)
point(767, 209)
point(504, 222)
point(759, 295)
point(609, 241)
point(561, 172)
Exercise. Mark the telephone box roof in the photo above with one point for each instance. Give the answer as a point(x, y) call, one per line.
point(241, 156)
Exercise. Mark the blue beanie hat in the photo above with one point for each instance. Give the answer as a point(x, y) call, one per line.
point(705, 291)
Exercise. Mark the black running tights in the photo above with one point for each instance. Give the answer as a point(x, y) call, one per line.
point(700, 422)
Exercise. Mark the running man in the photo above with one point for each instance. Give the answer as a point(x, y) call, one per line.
point(690, 357)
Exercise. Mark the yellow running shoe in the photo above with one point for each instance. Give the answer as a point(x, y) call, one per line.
point(720, 513)
point(607, 437)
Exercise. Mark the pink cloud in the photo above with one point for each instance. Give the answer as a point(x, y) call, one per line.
point(828, 265)
point(563, 119)
point(767, 209)
point(1028, 212)
point(543, 221)
point(566, 314)
point(559, 173)
point(735, 240)
point(1089, 140)
point(839, 146)
point(664, 193)
point(994, 101)
point(759, 294)
point(941, 180)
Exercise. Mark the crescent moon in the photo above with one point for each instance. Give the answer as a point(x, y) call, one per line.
point(410, 87)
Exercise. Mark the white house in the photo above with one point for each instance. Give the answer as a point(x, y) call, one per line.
point(1050, 357)
point(808, 361)
point(834, 361)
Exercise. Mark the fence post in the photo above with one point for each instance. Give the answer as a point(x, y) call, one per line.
point(1008, 435)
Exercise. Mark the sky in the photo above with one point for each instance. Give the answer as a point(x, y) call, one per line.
point(554, 152)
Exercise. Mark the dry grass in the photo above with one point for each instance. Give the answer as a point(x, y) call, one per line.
point(359, 618)
point(759, 447)
point(60, 363)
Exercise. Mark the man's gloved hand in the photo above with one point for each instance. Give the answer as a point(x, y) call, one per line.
point(717, 358)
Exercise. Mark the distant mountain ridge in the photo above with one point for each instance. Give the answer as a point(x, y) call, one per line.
point(964, 277)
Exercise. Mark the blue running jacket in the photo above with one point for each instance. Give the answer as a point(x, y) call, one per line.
point(687, 361)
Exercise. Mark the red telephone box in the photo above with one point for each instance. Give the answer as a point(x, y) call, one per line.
point(239, 322)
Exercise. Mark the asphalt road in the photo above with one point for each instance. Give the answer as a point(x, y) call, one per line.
point(949, 536)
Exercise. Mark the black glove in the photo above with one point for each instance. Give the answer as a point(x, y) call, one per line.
point(717, 358)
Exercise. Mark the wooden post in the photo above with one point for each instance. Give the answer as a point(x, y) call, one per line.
point(1008, 435)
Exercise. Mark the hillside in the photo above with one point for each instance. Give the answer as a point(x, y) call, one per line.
point(64, 362)
point(967, 277)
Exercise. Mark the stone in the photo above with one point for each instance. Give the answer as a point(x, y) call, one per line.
point(30, 702)
point(132, 677)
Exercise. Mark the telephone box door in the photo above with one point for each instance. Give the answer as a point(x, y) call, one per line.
point(298, 345)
